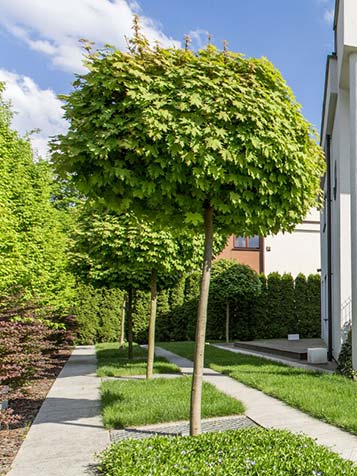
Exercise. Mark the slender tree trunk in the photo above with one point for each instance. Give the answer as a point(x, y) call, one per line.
point(227, 322)
point(130, 323)
point(122, 324)
point(196, 392)
point(153, 307)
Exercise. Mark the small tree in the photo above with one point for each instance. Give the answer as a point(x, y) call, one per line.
point(128, 252)
point(211, 140)
point(233, 282)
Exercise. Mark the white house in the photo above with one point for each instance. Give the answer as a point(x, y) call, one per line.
point(339, 217)
point(296, 252)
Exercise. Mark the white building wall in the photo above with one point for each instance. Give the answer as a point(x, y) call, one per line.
point(344, 210)
point(297, 252)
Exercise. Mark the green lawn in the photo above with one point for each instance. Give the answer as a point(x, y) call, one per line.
point(253, 452)
point(113, 362)
point(331, 398)
point(142, 402)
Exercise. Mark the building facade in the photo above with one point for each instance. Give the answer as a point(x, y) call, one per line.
point(339, 217)
point(296, 252)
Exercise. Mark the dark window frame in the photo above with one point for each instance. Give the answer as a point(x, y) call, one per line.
point(247, 247)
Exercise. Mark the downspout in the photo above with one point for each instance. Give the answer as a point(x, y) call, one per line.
point(329, 248)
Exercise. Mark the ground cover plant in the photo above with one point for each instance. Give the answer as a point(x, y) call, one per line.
point(141, 402)
point(254, 452)
point(331, 398)
point(113, 361)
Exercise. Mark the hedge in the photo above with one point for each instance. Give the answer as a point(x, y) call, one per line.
point(284, 306)
point(97, 313)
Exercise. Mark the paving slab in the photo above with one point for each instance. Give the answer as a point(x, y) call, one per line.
point(269, 412)
point(68, 429)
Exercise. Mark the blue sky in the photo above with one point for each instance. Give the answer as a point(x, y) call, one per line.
point(39, 51)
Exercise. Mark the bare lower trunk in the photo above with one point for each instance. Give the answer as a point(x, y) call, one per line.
point(196, 392)
point(151, 342)
point(122, 324)
point(130, 323)
point(227, 322)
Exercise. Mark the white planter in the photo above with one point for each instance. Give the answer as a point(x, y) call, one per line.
point(293, 336)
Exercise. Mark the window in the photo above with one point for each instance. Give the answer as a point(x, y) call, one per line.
point(247, 242)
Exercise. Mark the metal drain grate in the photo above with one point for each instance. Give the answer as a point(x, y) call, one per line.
point(182, 428)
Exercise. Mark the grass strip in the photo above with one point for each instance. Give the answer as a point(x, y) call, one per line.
point(330, 398)
point(253, 452)
point(143, 402)
point(112, 361)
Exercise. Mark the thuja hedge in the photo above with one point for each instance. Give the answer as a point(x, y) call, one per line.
point(97, 314)
point(284, 306)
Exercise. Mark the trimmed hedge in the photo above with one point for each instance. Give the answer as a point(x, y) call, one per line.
point(284, 306)
point(98, 314)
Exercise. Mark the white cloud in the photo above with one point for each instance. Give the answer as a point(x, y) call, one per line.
point(34, 108)
point(54, 27)
point(329, 16)
point(199, 38)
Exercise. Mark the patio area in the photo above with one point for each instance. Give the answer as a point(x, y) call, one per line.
point(295, 351)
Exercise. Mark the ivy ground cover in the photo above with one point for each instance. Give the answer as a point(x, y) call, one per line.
point(331, 398)
point(254, 452)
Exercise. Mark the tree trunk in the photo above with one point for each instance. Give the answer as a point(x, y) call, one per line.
point(196, 392)
point(151, 342)
point(130, 323)
point(227, 322)
point(122, 324)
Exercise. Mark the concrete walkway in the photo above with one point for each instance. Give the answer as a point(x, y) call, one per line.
point(68, 430)
point(272, 413)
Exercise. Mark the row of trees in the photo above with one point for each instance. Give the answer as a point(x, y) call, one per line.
point(184, 143)
point(168, 152)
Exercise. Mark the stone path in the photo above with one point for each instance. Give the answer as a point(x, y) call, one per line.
point(271, 413)
point(68, 430)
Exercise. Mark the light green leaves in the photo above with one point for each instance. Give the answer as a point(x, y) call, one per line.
point(180, 128)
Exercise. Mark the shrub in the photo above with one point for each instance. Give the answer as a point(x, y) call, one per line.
point(23, 346)
point(313, 316)
point(141, 315)
point(97, 313)
point(344, 365)
point(86, 311)
point(256, 452)
point(110, 308)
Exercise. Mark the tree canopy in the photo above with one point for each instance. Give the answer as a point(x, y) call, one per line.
point(109, 249)
point(175, 129)
point(209, 137)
